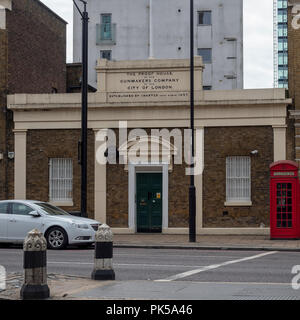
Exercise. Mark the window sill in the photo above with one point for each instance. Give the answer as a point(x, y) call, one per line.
point(106, 43)
point(62, 203)
point(238, 204)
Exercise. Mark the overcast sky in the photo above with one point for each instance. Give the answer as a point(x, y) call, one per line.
point(258, 39)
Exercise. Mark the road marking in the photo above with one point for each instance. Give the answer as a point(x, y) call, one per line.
point(211, 267)
point(126, 264)
point(285, 284)
point(173, 255)
point(68, 262)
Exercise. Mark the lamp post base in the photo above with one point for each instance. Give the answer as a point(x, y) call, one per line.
point(192, 213)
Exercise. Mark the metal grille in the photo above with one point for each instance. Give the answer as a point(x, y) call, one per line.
point(238, 179)
point(61, 179)
point(284, 205)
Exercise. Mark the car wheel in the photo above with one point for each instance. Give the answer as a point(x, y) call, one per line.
point(57, 238)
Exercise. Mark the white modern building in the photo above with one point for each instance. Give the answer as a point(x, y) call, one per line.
point(160, 29)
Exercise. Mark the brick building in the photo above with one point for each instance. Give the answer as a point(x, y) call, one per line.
point(32, 60)
point(239, 133)
point(294, 73)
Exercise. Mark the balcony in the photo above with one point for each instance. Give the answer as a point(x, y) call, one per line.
point(106, 34)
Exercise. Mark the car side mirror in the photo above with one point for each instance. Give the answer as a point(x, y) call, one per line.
point(34, 214)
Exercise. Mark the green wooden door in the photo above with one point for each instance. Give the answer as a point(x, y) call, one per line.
point(149, 202)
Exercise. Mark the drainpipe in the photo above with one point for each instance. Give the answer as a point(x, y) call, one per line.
point(151, 35)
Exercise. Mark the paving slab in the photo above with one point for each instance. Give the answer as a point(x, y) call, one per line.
point(186, 290)
point(209, 242)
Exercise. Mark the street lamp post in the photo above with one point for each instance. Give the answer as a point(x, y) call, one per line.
point(192, 189)
point(84, 109)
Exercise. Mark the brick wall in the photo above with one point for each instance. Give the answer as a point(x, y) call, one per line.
point(117, 196)
point(236, 141)
point(74, 75)
point(45, 144)
point(32, 60)
point(37, 49)
point(294, 81)
point(3, 89)
point(178, 197)
point(219, 143)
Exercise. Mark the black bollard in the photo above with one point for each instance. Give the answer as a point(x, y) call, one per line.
point(35, 267)
point(103, 264)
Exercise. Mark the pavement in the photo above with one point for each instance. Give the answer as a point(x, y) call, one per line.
point(205, 242)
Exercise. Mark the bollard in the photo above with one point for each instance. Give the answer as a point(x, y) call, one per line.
point(103, 268)
point(35, 267)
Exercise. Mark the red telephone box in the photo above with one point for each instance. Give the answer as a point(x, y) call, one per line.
point(284, 200)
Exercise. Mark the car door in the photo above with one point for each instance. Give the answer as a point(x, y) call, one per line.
point(20, 222)
point(4, 215)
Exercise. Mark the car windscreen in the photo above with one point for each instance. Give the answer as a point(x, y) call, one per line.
point(51, 210)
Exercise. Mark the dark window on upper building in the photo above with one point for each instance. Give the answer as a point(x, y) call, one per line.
point(206, 87)
point(206, 55)
point(106, 29)
point(204, 18)
point(105, 54)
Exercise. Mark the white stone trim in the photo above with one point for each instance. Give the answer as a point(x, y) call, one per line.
point(279, 134)
point(238, 204)
point(205, 231)
point(62, 203)
point(199, 142)
point(122, 231)
point(100, 186)
point(161, 168)
point(20, 164)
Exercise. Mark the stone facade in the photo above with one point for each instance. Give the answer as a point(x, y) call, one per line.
point(32, 60)
point(229, 123)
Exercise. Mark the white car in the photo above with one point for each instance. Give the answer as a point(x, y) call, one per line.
point(18, 217)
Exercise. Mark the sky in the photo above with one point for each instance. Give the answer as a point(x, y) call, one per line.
point(258, 39)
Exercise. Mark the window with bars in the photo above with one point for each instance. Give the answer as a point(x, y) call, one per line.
point(238, 179)
point(60, 179)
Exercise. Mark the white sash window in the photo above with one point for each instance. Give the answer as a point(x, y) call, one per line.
point(60, 179)
point(238, 179)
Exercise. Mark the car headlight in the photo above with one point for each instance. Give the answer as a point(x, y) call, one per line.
point(80, 226)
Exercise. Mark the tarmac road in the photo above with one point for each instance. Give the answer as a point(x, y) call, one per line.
point(179, 273)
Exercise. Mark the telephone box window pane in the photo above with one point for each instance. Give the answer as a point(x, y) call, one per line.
point(284, 205)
